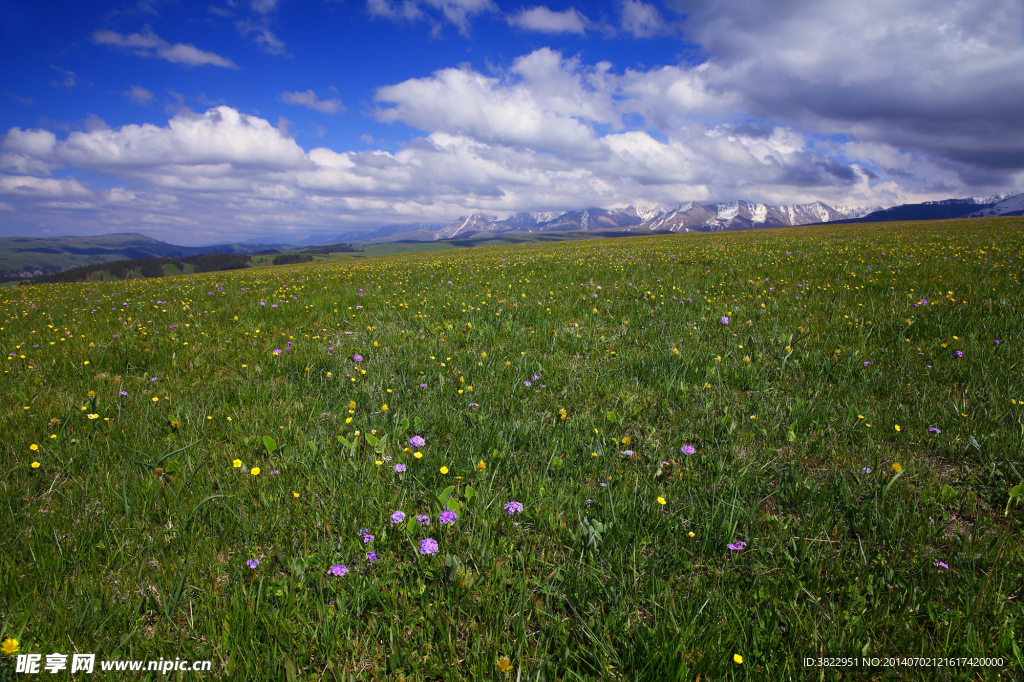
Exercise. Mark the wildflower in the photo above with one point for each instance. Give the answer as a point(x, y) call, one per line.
point(252, 563)
point(867, 364)
point(371, 557)
point(504, 664)
point(448, 517)
point(737, 659)
point(9, 647)
point(661, 500)
point(400, 468)
point(480, 465)
point(942, 564)
point(866, 470)
point(527, 383)
point(428, 546)
point(35, 465)
point(275, 472)
point(397, 517)
point(691, 534)
point(124, 393)
point(444, 471)
point(255, 471)
point(337, 569)
point(932, 429)
point(384, 408)
point(896, 467)
point(418, 455)
point(423, 519)
point(294, 494)
point(277, 351)
point(724, 320)
point(737, 546)
point(33, 447)
point(958, 354)
point(237, 464)
point(357, 357)
point(417, 441)
point(514, 508)
point(687, 449)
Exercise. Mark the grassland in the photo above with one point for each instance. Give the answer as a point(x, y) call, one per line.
point(731, 452)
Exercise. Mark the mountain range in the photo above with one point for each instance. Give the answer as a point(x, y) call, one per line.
point(689, 216)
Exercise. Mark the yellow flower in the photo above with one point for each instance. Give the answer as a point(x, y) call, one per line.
point(444, 470)
point(352, 405)
point(294, 494)
point(237, 464)
point(661, 500)
point(691, 534)
point(504, 664)
point(93, 416)
point(378, 462)
point(10, 646)
point(92, 394)
point(897, 427)
point(383, 408)
point(155, 399)
point(737, 659)
point(33, 447)
point(480, 465)
point(418, 455)
point(255, 471)
point(35, 465)
point(53, 436)
point(896, 467)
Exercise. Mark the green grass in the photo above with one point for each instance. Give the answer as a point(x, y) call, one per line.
point(131, 538)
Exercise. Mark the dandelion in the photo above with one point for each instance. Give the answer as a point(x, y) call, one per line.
point(33, 447)
point(661, 500)
point(255, 471)
point(423, 519)
point(448, 517)
point(687, 449)
point(397, 517)
point(897, 428)
point(737, 659)
point(428, 546)
point(338, 570)
point(252, 563)
point(514, 508)
point(691, 534)
point(418, 455)
point(480, 465)
point(35, 465)
point(400, 468)
point(444, 471)
point(896, 467)
point(504, 664)
point(9, 647)
point(237, 464)
point(737, 546)
point(417, 441)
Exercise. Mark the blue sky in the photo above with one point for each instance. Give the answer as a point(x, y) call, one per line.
point(273, 119)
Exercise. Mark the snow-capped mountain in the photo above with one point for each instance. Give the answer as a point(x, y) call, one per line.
point(738, 215)
point(1004, 205)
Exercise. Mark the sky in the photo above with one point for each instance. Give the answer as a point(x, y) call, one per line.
point(277, 120)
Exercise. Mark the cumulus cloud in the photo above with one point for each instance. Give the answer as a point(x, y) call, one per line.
point(148, 44)
point(310, 100)
point(641, 20)
point(436, 12)
point(139, 95)
point(544, 20)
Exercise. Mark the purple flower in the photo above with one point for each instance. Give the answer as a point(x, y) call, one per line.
point(687, 449)
point(866, 470)
point(536, 377)
point(367, 538)
point(603, 485)
point(942, 564)
point(417, 441)
point(252, 563)
point(514, 508)
point(958, 354)
point(397, 517)
point(400, 468)
point(124, 392)
point(117, 337)
point(527, 383)
point(998, 342)
point(627, 453)
point(724, 320)
point(277, 351)
point(448, 517)
point(275, 472)
point(337, 569)
point(371, 557)
point(428, 546)
point(737, 546)
point(867, 364)
point(423, 519)
point(357, 357)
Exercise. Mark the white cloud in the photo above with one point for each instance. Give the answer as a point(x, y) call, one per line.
point(544, 20)
point(263, 37)
point(457, 12)
point(68, 79)
point(310, 100)
point(139, 95)
point(641, 20)
point(148, 44)
point(264, 6)
point(32, 186)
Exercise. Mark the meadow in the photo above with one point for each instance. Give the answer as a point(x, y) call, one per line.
point(651, 458)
